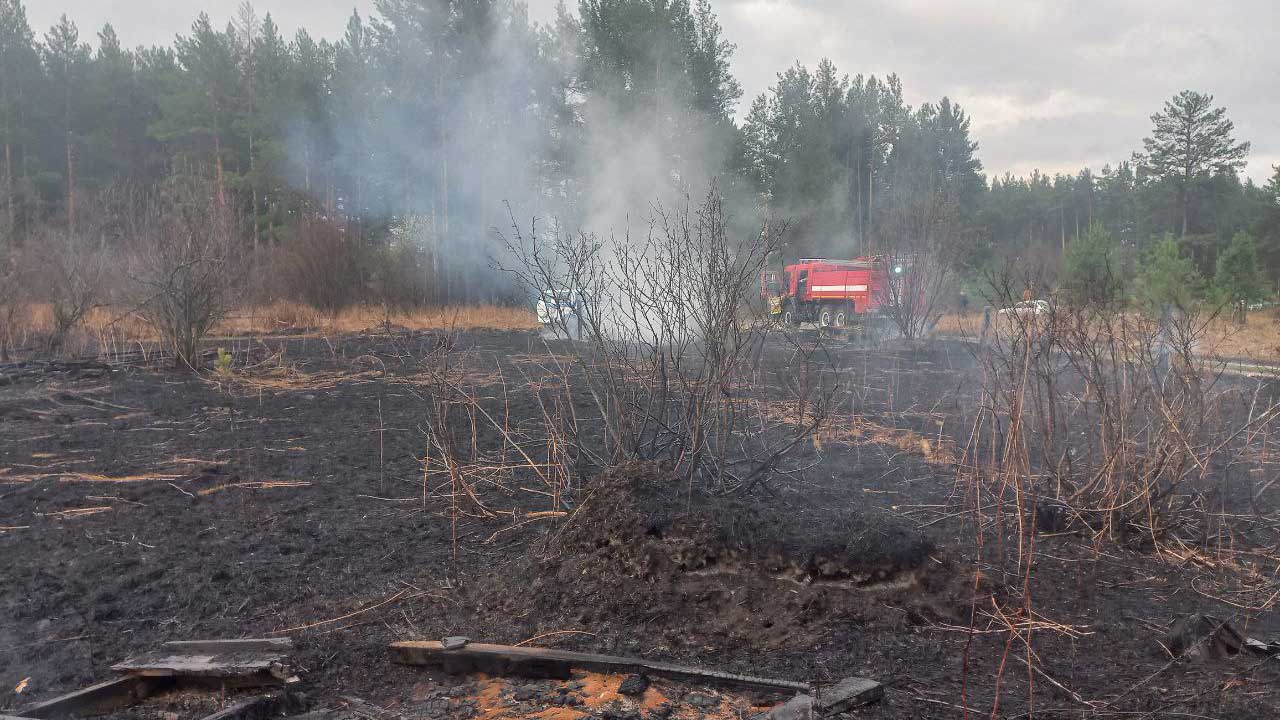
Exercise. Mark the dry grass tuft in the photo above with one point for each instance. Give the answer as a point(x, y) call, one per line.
point(109, 330)
point(855, 430)
point(1258, 339)
point(967, 324)
point(292, 317)
point(254, 485)
point(140, 477)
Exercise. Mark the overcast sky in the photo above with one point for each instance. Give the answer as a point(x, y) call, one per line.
point(1054, 85)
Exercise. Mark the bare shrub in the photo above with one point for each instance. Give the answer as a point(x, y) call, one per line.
point(182, 262)
point(1109, 417)
point(919, 262)
point(666, 354)
point(326, 265)
point(70, 268)
point(11, 300)
point(1103, 422)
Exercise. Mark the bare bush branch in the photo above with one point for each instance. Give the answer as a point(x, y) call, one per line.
point(668, 342)
point(183, 262)
point(919, 262)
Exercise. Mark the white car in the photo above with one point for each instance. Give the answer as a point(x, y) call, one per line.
point(560, 309)
point(1027, 308)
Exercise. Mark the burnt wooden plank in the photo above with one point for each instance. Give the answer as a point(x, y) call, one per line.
point(547, 662)
point(847, 694)
point(252, 661)
point(102, 697)
point(280, 646)
point(799, 707)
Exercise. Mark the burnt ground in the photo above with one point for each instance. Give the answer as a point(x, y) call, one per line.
point(140, 505)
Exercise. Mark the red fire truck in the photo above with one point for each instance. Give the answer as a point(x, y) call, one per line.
point(830, 293)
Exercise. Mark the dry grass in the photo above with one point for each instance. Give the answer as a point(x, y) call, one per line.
point(283, 316)
point(110, 330)
point(254, 485)
point(857, 430)
point(1258, 339)
point(959, 324)
point(113, 330)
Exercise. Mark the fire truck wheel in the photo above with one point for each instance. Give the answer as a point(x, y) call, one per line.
point(826, 316)
point(841, 319)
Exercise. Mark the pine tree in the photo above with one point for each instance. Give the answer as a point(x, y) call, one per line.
point(1093, 272)
point(66, 62)
point(312, 67)
point(19, 81)
point(715, 90)
point(1190, 140)
point(265, 111)
point(354, 102)
point(662, 68)
point(1167, 277)
point(121, 107)
point(1238, 280)
point(1267, 225)
point(199, 101)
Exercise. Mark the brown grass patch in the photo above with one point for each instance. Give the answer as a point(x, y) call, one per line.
point(1258, 339)
point(292, 317)
point(959, 324)
point(290, 379)
point(858, 430)
point(109, 330)
point(935, 451)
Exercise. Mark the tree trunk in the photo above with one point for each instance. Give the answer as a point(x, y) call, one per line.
point(71, 189)
point(861, 211)
point(8, 186)
point(443, 240)
point(1062, 227)
point(870, 187)
point(440, 239)
point(217, 162)
point(1186, 181)
point(257, 231)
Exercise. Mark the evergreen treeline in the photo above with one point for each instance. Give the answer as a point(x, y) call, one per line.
point(415, 129)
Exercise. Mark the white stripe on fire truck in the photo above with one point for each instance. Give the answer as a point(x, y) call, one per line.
point(839, 288)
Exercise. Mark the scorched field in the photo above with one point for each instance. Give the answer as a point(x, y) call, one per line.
point(358, 489)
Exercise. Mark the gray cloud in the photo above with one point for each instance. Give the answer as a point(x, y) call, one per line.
point(1050, 84)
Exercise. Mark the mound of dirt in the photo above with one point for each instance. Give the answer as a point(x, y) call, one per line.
point(640, 548)
point(647, 519)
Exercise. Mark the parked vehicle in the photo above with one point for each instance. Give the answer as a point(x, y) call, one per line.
point(1027, 308)
point(561, 310)
point(830, 293)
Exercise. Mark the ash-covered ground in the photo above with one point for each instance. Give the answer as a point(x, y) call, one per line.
point(286, 497)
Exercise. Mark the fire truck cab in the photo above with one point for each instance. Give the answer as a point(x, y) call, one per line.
point(829, 293)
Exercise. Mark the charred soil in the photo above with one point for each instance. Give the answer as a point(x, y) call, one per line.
point(287, 497)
